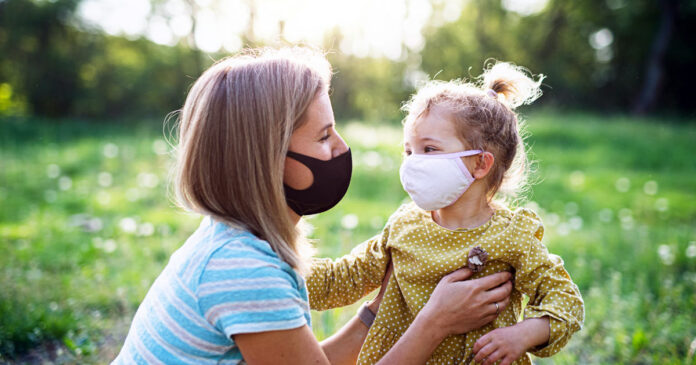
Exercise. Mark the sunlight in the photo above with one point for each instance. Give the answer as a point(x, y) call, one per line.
point(366, 28)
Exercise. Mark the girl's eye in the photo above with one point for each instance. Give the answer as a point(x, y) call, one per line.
point(407, 152)
point(429, 149)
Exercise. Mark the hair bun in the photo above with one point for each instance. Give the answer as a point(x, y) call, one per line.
point(516, 84)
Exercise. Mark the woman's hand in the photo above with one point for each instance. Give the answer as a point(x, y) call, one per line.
point(458, 305)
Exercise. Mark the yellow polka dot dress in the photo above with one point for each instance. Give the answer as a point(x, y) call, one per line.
point(423, 252)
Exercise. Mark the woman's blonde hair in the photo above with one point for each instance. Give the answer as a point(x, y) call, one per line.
point(485, 119)
point(234, 132)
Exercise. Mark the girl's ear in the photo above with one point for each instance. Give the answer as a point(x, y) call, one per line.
point(483, 165)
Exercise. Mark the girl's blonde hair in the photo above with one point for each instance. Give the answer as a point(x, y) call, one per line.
point(234, 132)
point(484, 117)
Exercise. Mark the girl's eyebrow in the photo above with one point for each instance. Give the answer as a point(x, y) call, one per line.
point(430, 139)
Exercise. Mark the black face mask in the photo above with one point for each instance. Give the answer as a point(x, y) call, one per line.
point(331, 180)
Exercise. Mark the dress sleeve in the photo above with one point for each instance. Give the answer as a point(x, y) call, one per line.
point(341, 282)
point(541, 276)
point(246, 291)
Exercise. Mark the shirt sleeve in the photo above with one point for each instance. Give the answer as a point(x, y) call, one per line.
point(247, 291)
point(341, 282)
point(541, 276)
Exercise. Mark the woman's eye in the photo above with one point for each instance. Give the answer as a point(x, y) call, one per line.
point(324, 138)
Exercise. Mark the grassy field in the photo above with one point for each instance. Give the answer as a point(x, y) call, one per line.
point(86, 224)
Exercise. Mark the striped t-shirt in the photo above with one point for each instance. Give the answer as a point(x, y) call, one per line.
point(222, 282)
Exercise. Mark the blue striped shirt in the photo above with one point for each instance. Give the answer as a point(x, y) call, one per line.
point(221, 282)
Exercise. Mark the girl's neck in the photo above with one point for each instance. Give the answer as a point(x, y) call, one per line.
point(469, 211)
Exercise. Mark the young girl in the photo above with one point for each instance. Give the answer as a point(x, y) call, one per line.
point(463, 149)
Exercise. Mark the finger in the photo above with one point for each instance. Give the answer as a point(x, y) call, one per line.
point(492, 358)
point(488, 319)
point(458, 275)
point(481, 342)
point(494, 280)
point(507, 360)
point(499, 293)
point(485, 352)
point(503, 304)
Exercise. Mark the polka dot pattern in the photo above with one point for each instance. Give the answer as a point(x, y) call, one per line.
point(423, 252)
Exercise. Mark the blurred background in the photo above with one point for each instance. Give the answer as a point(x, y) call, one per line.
point(86, 219)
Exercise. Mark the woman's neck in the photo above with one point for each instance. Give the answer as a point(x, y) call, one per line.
point(469, 211)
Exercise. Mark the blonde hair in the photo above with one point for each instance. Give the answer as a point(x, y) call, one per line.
point(484, 117)
point(234, 132)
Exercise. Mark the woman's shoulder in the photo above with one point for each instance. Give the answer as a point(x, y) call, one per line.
point(217, 249)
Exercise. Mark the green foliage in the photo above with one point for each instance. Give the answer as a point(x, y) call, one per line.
point(556, 42)
point(60, 69)
point(56, 66)
point(86, 226)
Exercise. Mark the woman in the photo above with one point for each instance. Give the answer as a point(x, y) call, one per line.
point(257, 150)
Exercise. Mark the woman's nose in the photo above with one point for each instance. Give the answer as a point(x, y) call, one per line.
point(340, 147)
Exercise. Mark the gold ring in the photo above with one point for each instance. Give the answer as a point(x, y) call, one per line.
point(497, 308)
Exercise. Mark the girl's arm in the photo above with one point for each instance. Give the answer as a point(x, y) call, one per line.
point(341, 282)
point(555, 309)
point(456, 306)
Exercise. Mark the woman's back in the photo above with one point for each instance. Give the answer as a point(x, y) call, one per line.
point(221, 282)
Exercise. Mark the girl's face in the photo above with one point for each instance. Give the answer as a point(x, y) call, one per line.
point(433, 132)
point(317, 138)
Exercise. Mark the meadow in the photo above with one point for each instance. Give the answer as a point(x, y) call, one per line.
point(87, 223)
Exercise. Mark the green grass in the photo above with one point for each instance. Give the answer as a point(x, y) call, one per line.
point(86, 225)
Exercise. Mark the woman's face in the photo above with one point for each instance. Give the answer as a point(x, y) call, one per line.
point(317, 138)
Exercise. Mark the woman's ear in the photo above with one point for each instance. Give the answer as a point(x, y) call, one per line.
point(483, 165)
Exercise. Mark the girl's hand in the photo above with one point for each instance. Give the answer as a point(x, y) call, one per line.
point(507, 344)
point(458, 305)
point(502, 344)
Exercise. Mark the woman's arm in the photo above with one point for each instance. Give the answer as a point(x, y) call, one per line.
point(456, 306)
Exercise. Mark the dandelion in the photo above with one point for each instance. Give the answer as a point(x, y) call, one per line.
point(650, 187)
point(662, 204)
point(372, 159)
point(53, 306)
point(577, 180)
point(575, 223)
point(571, 208)
point(53, 171)
point(349, 221)
point(552, 219)
point(105, 179)
point(563, 229)
point(691, 250)
point(128, 225)
point(147, 180)
point(623, 184)
point(103, 198)
point(133, 194)
point(109, 246)
point(160, 147)
point(110, 150)
point(666, 254)
point(146, 229)
point(64, 183)
point(605, 215)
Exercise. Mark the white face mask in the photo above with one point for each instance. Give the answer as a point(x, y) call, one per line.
point(436, 181)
